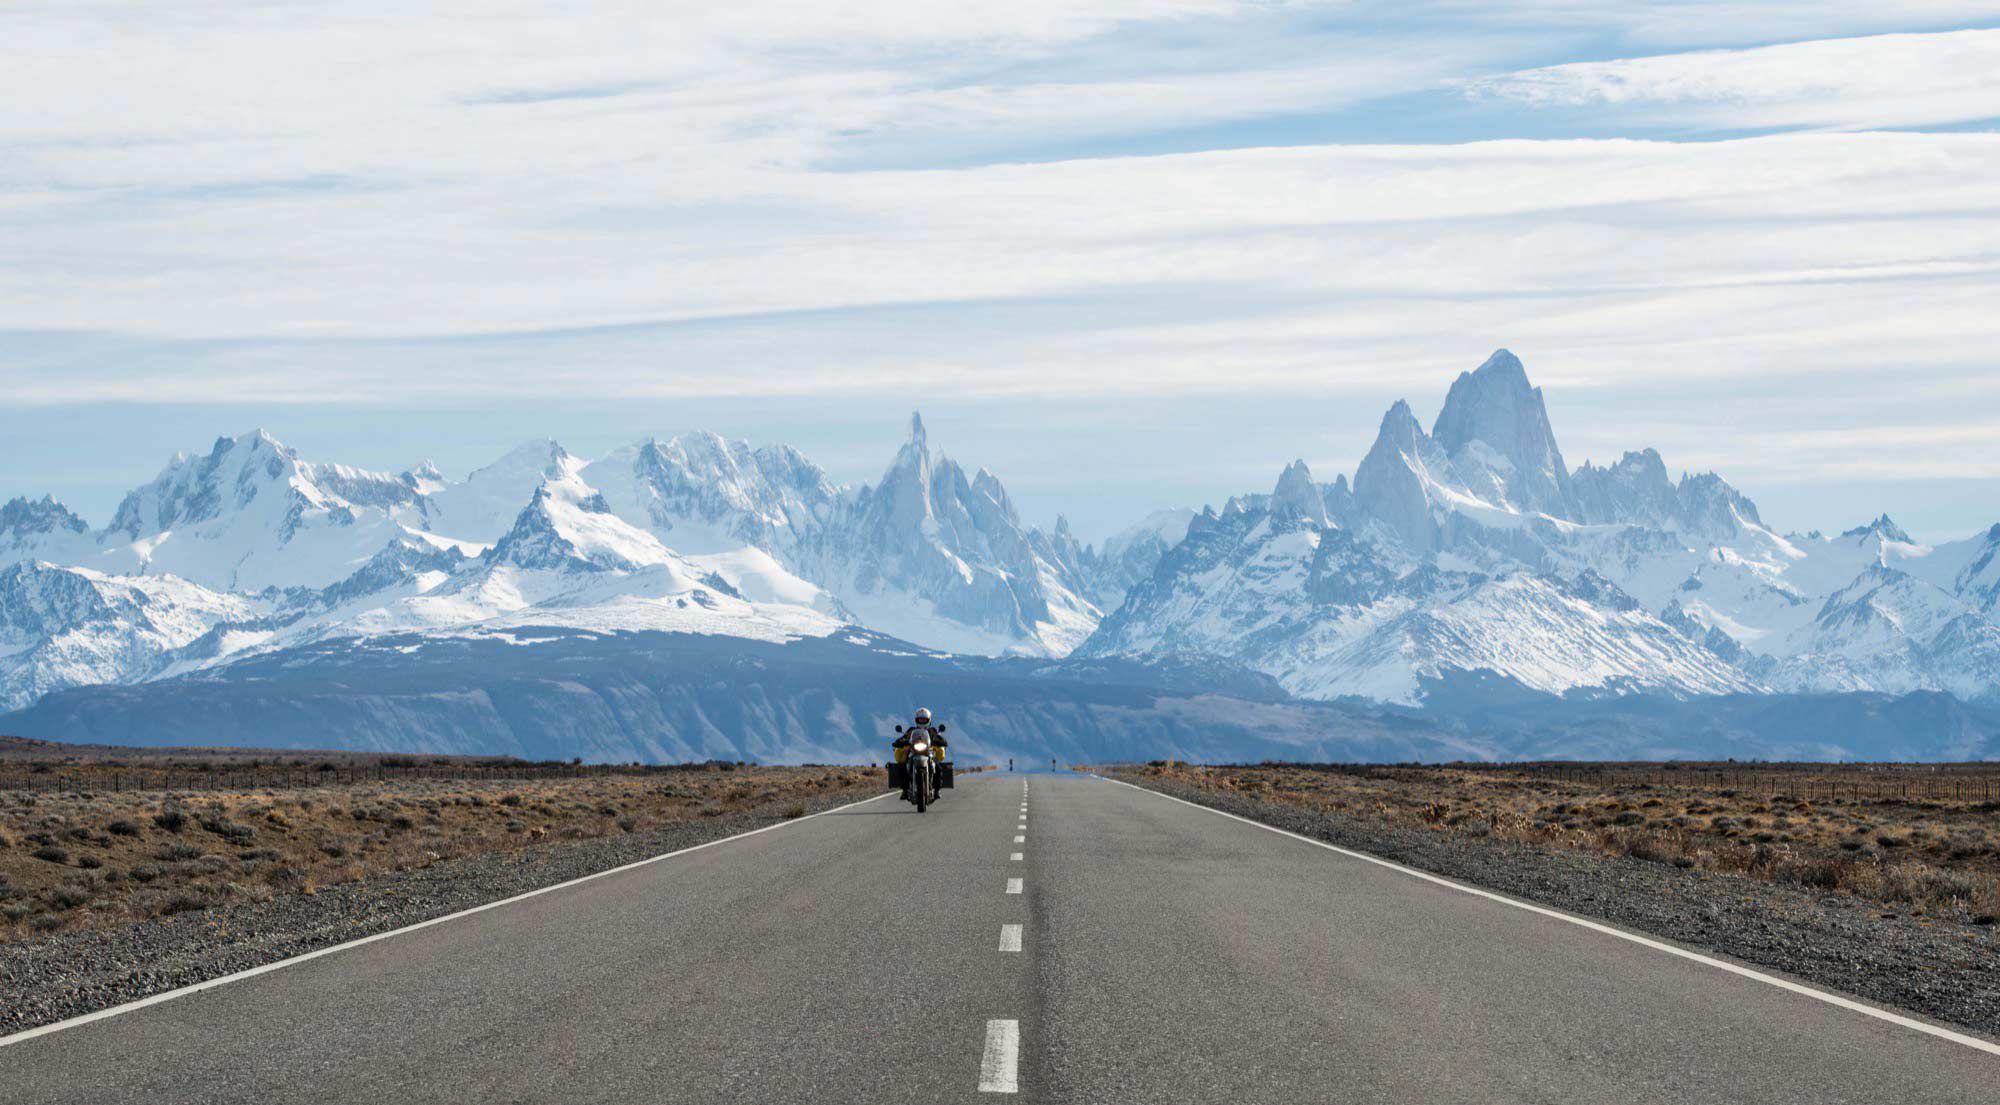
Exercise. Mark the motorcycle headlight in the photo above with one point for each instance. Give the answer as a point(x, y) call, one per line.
point(923, 746)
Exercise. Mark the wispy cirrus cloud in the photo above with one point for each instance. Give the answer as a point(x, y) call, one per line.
point(1900, 80)
point(408, 203)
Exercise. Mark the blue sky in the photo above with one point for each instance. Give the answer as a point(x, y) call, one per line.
point(1170, 244)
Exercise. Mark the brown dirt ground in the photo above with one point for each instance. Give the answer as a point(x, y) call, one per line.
point(1927, 856)
point(78, 859)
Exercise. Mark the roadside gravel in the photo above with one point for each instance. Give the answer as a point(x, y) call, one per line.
point(1947, 971)
point(67, 975)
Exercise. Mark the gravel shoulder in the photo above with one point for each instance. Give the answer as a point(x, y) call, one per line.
point(1944, 971)
point(71, 974)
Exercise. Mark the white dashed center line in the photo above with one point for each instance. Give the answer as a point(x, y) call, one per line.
point(1010, 938)
point(1013, 886)
point(998, 1066)
point(1020, 840)
point(1016, 857)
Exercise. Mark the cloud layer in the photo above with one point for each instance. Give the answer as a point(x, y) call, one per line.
point(1673, 206)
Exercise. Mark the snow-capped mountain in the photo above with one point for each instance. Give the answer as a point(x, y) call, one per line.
point(251, 514)
point(1472, 551)
point(744, 514)
point(933, 556)
point(487, 504)
point(1131, 555)
point(1466, 555)
point(65, 627)
point(927, 554)
point(42, 530)
point(250, 548)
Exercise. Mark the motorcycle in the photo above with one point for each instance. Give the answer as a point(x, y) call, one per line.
point(920, 772)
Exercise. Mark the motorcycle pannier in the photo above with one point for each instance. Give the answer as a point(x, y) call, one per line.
point(898, 776)
point(944, 776)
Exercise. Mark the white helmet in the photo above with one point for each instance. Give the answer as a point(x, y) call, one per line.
point(923, 717)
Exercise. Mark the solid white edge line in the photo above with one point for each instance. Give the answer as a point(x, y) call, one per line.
point(1596, 926)
point(1010, 938)
point(1013, 886)
point(1000, 1062)
point(252, 972)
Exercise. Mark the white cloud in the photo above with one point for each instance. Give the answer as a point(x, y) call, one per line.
point(1897, 80)
point(406, 203)
point(1686, 23)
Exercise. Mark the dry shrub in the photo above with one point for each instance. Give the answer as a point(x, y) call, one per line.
point(1930, 854)
point(289, 842)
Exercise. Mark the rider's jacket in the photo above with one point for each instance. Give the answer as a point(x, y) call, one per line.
point(902, 744)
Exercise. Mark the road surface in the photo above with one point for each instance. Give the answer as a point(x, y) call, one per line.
point(1102, 945)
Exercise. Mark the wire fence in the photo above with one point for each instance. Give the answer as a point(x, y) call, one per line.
point(1963, 785)
point(1963, 782)
point(119, 777)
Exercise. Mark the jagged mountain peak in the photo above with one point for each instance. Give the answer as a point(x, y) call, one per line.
point(1495, 428)
point(1642, 464)
point(426, 478)
point(251, 514)
point(1883, 527)
point(569, 526)
point(1499, 386)
point(537, 452)
point(1297, 494)
point(917, 436)
point(24, 517)
point(199, 487)
point(1398, 479)
point(488, 502)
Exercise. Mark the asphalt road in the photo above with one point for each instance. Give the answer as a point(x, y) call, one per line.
point(1164, 954)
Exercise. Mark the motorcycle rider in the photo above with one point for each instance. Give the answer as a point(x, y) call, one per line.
point(921, 730)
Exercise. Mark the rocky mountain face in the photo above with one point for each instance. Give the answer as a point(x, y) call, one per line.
point(65, 627)
point(250, 514)
point(1472, 553)
point(929, 543)
point(929, 553)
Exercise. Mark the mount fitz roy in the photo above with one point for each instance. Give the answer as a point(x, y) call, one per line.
point(1466, 564)
point(1473, 558)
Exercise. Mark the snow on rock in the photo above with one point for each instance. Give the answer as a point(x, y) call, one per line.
point(487, 504)
point(1328, 615)
point(928, 544)
point(1132, 554)
point(64, 627)
point(251, 514)
point(1496, 431)
point(43, 529)
point(1298, 494)
point(1470, 549)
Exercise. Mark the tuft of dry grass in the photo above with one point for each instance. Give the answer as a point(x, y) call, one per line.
point(1930, 856)
point(83, 859)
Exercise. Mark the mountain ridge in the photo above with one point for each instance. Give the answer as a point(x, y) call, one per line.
point(1469, 551)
